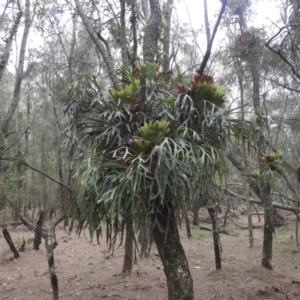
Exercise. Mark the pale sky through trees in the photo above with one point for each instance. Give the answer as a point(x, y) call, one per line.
point(262, 12)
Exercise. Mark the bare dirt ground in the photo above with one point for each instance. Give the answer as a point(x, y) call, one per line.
point(88, 271)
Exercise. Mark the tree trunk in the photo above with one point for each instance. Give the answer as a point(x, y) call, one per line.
point(128, 257)
point(187, 222)
point(123, 28)
point(296, 229)
point(7, 50)
point(265, 188)
point(216, 237)
point(145, 8)
point(71, 226)
point(195, 212)
point(50, 259)
point(38, 231)
point(51, 244)
point(176, 268)
point(19, 78)
point(134, 19)
point(268, 229)
point(152, 32)
point(144, 237)
point(245, 160)
point(167, 13)
point(10, 242)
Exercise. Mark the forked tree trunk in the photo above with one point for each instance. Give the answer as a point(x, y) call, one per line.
point(176, 268)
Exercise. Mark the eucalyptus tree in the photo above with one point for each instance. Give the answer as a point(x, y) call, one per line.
point(17, 13)
point(251, 51)
point(265, 77)
point(20, 70)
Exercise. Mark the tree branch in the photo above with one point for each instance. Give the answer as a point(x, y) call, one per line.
point(104, 52)
point(210, 43)
point(13, 159)
point(279, 52)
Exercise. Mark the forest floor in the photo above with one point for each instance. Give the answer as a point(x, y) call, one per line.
point(89, 271)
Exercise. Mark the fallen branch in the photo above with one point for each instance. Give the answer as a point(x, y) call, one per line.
point(30, 225)
point(10, 243)
point(13, 224)
point(256, 201)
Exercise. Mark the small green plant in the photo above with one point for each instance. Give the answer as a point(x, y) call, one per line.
point(231, 231)
point(281, 230)
point(202, 234)
point(281, 247)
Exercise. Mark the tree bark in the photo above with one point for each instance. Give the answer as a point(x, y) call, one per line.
point(268, 231)
point(216, 237)
point(187, 222)
point(152, 32)
point(176, 268)
point(128, 257)
point(50, 259)
point(145, 8)
point(245, 173)
point(195, 212)
point(17, 90)
point(38, 231)
point(144, 237)
point(206, 21)
point(71, 226)
point(167, 14)
point(123, 34)
point(134, 20)
point(7, 50)
point(51, 244)
point(265, 188)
